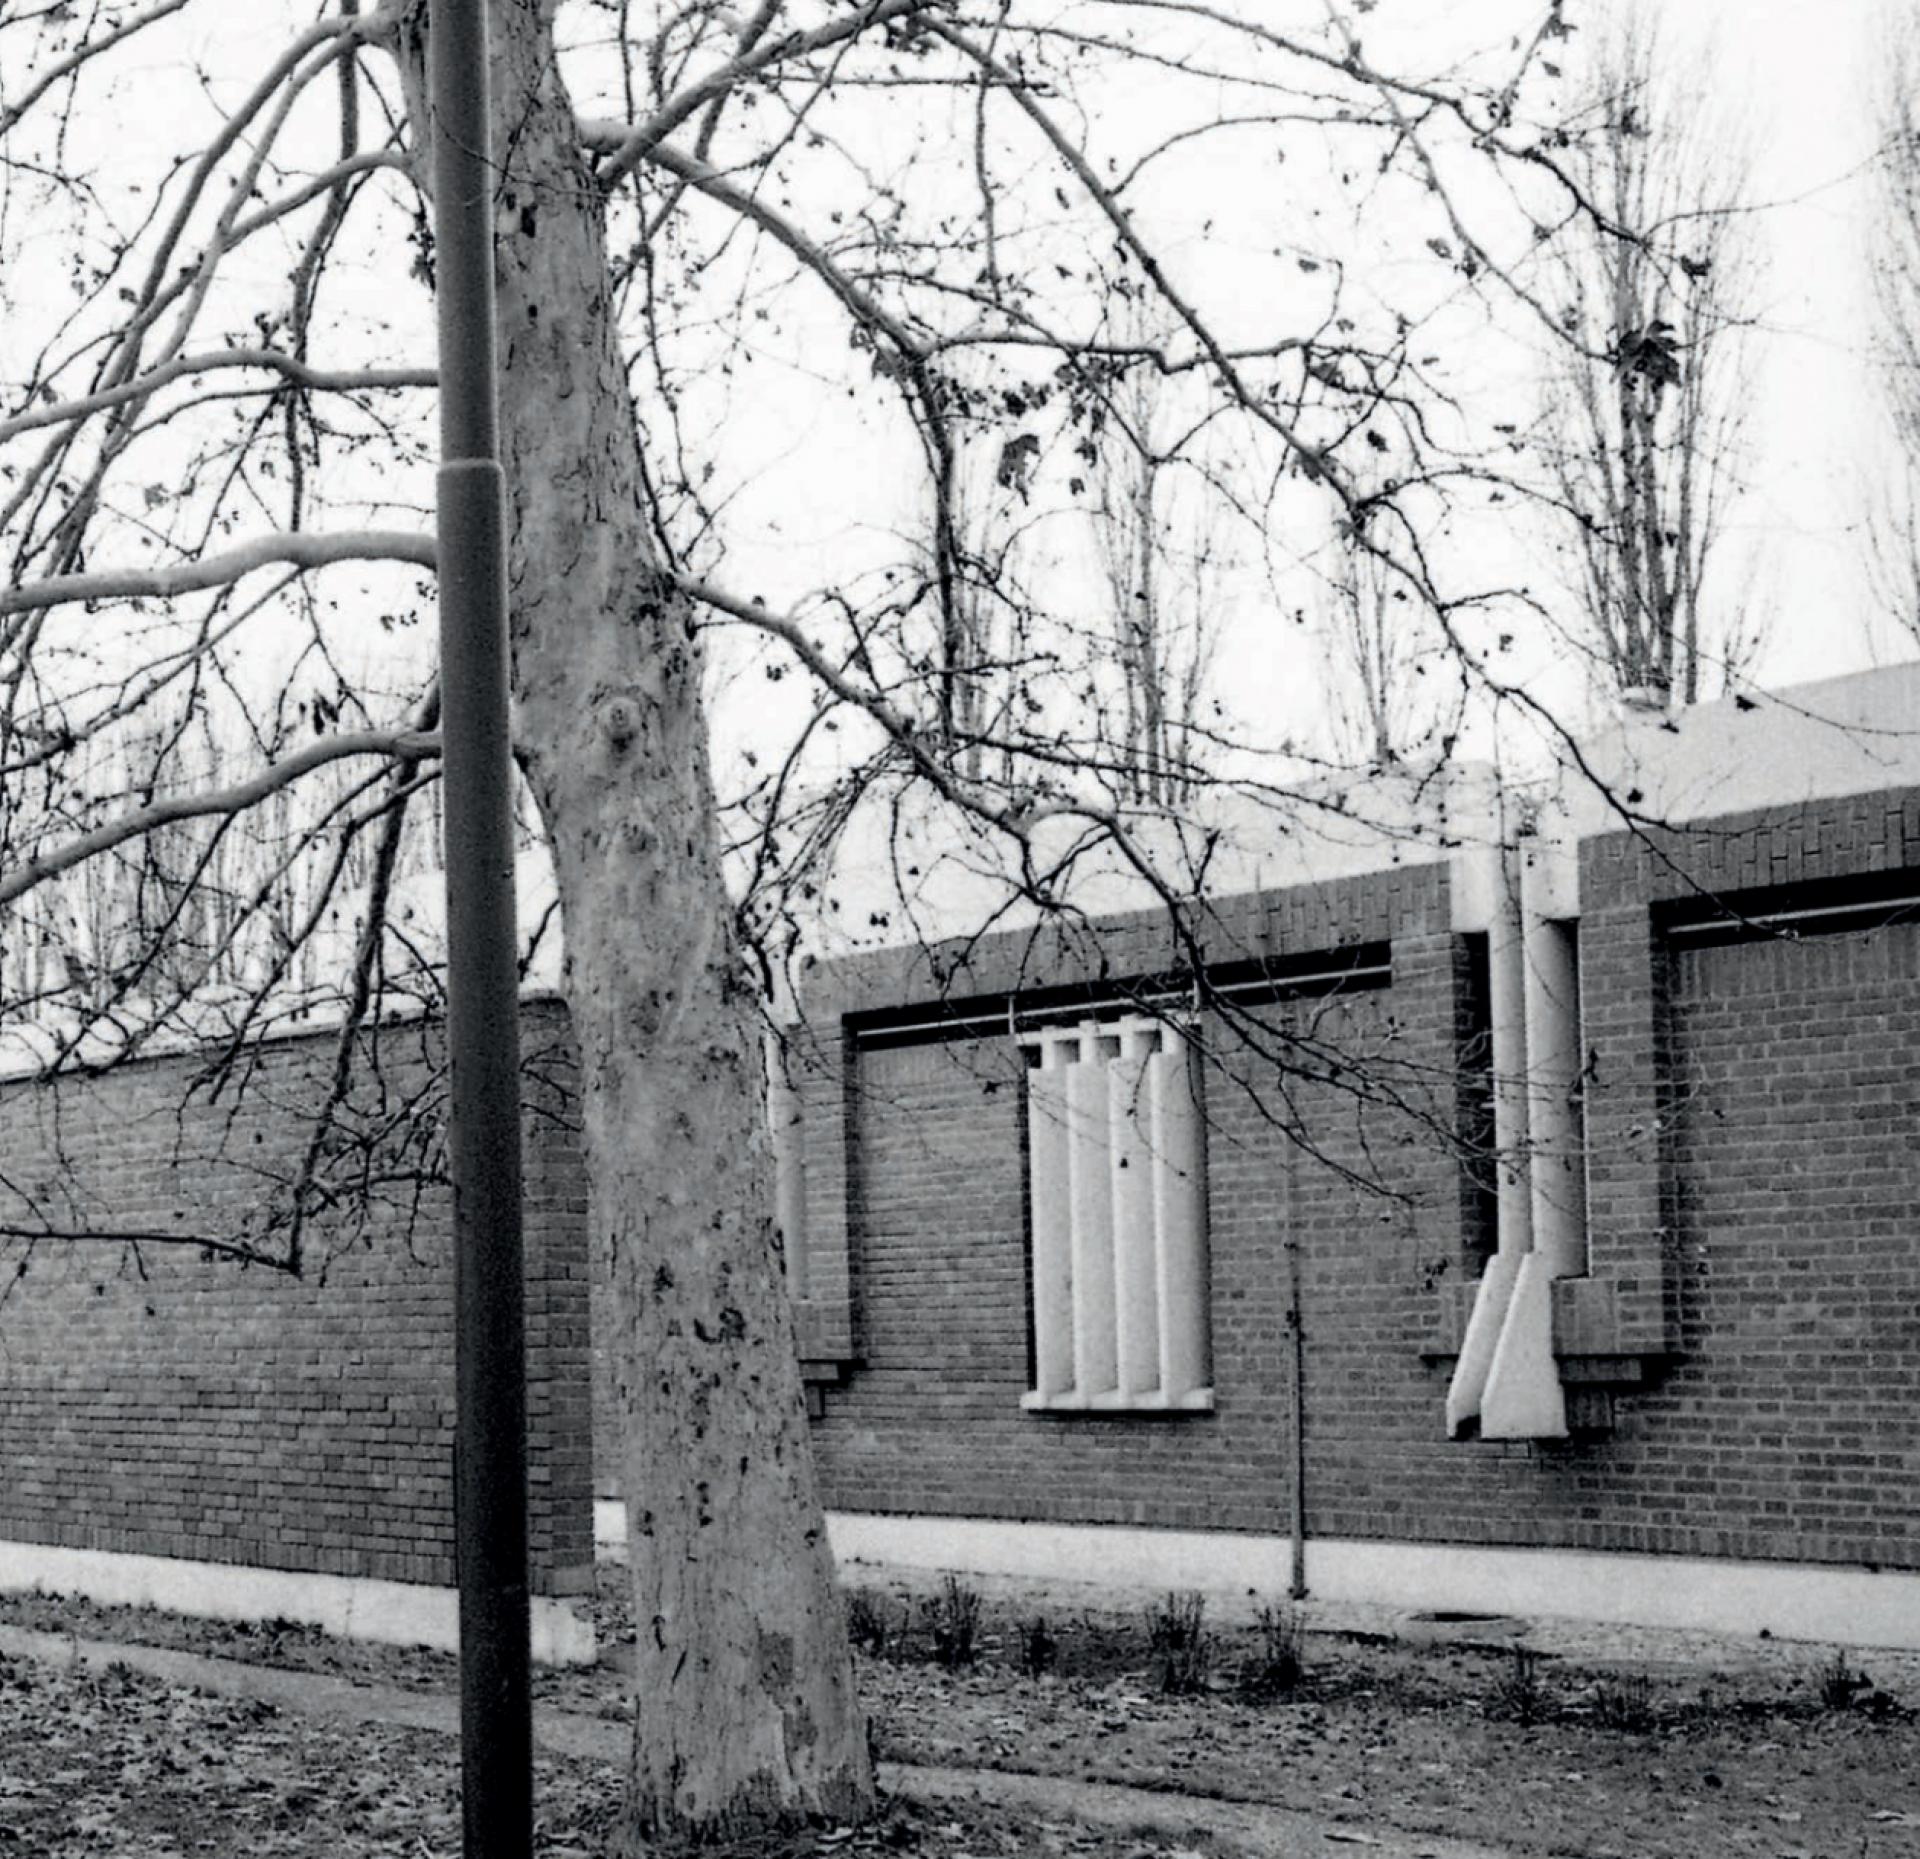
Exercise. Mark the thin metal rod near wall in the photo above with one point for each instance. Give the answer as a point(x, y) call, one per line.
point(1297, 1410)
point(786, 1126)
point(1296, 1377)
point(483, 1035)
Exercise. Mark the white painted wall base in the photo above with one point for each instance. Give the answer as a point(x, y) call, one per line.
point(1791, 1600)
point(394, 1613)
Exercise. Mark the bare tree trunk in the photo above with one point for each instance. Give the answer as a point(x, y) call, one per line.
point(1146, 671)
point(1630, 657)
point(745, 1712)
point(1645, 461)
point(1893, 508)
point(1161, 657)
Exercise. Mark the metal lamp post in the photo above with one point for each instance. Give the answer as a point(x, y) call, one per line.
point(483, 1035)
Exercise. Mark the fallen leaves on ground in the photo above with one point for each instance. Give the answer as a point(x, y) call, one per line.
point(1388, 1735)
point(1381, 1735)
point(113, 1764)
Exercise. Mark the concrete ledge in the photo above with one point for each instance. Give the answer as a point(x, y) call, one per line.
point(393, 1613)
point(1790, 1600)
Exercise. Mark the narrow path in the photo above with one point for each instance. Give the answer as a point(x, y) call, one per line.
point(1272, 1832)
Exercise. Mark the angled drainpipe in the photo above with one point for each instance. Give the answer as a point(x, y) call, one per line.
point(1499, 877)
point(1523, 1397)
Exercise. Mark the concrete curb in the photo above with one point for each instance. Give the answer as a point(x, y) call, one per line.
point(1272, 1832)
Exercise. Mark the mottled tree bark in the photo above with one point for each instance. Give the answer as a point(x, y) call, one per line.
point(745, 1711)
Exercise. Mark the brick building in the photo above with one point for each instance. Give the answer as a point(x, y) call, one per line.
point(1582, 1166)
point(1507, 1221)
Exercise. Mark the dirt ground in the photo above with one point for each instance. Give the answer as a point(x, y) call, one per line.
point(1461, 1728)
point(115, 1764)
point(1465, 1728)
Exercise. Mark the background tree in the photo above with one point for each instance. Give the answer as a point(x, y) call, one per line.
point(1159, 534)
point(988, 537)
point(1893, 502)
point(1642, 432)
point(215, 452)
point(1394, 694)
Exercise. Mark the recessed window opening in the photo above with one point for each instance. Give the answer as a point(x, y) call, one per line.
point(1474, 1126)
point(1117, 1219)
point(1814, 907)
point(1261, 981)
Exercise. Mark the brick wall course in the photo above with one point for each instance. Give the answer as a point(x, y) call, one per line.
point(162, 1402)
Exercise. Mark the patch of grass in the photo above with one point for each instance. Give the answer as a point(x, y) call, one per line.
point(1519, 1694)
point(1278, 1663)
point(869, 1622)
point(1838, 1683)
point(1626, 1706)
point(953, 1621)
point(1039, 1648)
point(1177, 1638)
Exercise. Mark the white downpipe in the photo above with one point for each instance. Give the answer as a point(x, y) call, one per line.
point(1523, 1398)
point(1507, 1014)
point(1491, 1301)
point(1512, 1056)
point(1559, 1186)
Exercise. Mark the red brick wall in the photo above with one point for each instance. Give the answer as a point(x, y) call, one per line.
point(1753, 1118)
point(170, 1404)
point(1792, 1403)
point(930, 1419)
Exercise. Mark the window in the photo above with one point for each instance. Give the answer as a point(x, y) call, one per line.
point(1117, 1199)
point(1507, 1378)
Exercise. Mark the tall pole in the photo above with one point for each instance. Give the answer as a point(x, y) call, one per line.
point(483, 1034)
point(1297, 1414)
point(1296, 1384)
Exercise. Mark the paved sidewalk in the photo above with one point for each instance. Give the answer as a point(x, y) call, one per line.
point(1272, 1832)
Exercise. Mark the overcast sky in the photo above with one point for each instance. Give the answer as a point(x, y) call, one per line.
point(1802, 71)
point(1799, 73)
point(1806, 67)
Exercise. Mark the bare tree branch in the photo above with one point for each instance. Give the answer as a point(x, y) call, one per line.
point(642, 140)
point(303, 550)
point(84, 53)
point(395, 745)
point(294, 372)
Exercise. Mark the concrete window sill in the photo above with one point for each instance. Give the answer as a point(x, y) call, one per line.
point(1195, 1401)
